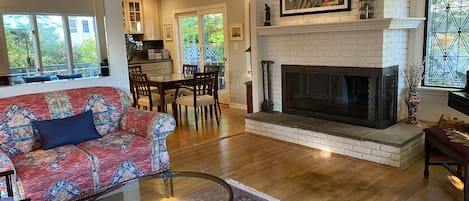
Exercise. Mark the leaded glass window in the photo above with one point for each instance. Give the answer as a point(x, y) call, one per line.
point(447, 44)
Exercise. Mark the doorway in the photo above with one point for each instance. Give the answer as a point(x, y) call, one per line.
point(202, 42)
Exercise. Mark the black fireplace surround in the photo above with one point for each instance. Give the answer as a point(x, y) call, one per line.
point(355, 95)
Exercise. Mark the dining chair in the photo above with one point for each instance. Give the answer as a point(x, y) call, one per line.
point(203, 87)
point(214, 68)
point(146, 97)
point(187, 69)
point(133, 69)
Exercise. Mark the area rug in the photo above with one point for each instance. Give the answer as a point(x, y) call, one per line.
point(241, 192)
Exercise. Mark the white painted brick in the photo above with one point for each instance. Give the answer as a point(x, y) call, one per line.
point(371, 145)
point(391, 149)
point(381, 154)
point(361, 149)
point(372, 158)
point(335, 138)
point(342, 145)
point(390, 162)
point(352, 141)
point(353, 154)
point(395, 157)
point(337, 150)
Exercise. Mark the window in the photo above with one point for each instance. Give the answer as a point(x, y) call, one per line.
point(46, 50)
point(86, 28)
point(447, 43)
point(73, 26)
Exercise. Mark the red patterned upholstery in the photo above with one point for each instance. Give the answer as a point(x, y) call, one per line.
point(120, 157)
point(133, 143)
point(42, 170)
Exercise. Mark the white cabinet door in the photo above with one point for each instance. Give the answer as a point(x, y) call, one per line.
point(133, 16)
point(151, 14)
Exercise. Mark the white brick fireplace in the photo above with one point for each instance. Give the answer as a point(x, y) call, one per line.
point(331, 39)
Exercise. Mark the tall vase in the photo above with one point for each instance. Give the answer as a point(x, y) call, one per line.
point(413, 100)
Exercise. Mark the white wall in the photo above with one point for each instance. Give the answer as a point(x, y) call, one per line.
point(116, 49)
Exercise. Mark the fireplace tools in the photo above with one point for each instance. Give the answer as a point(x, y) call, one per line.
point(267, 104)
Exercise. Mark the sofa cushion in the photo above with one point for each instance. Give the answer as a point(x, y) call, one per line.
point(120, 156)
point(62, 173)
point(70, 130)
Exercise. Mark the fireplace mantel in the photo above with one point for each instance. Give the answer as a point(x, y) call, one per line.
point(370, 24)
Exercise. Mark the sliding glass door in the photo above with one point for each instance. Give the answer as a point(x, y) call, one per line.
point(202, 43)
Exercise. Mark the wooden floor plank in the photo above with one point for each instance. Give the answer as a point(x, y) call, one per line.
point(294, 172)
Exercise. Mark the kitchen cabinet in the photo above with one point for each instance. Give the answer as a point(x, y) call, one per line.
point(133, 16)
point(142, 17)
point(151, 19)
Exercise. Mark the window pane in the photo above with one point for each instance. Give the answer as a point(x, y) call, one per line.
point(84, 47)
point(447, 53)
point(190, 40)
point(73, 26)
point(86, 28)
point(19, 40)
point(52, 43)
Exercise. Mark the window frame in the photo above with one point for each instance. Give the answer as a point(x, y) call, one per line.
point(38, 63)
point(424, 52)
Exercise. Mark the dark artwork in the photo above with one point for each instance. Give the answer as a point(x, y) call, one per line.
point(267, 16)
point(298, 4)
point(300, 7)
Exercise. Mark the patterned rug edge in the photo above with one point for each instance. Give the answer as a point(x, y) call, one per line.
point(251, 190)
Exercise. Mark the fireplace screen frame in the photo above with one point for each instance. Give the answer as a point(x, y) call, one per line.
point(383, 108)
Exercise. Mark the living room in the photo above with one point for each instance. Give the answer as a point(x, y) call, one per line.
point(301, 173)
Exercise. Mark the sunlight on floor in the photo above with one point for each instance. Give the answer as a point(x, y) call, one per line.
point(457, 183)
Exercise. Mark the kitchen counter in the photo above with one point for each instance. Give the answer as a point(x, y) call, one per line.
point(148, 61)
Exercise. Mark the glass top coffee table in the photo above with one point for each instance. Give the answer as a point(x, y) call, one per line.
point(169, 186)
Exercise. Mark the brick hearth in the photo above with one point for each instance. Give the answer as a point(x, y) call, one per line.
point(397, 146)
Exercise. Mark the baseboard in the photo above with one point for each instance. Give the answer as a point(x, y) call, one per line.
point(239, 106)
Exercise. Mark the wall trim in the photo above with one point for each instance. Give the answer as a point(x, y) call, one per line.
point(238, 106)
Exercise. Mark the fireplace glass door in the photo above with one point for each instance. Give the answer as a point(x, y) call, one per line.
point(339, 94)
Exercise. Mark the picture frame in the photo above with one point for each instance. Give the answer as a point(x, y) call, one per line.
point(168, 32)
point(236, 32)
point(302, 7)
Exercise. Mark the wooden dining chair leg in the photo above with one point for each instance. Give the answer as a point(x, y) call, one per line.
point(175, 112)
point(211, 111)
point(205, 112)
point(218, 104)
point(216, 116)
point(195, 115)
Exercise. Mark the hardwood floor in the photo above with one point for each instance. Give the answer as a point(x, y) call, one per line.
point(293, 172)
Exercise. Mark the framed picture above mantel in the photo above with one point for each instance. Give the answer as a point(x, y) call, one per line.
point(302, 7)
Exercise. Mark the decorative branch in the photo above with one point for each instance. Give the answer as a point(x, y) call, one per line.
point(413, 77)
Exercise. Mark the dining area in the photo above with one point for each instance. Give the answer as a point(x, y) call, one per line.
point(190, 89)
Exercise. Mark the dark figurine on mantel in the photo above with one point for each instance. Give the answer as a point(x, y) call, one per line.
point(267, 16)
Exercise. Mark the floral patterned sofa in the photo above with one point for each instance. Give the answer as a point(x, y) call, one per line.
point(133, 143)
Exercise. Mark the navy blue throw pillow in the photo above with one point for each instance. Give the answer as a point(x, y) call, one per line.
point(70, 76)
point(70, 130)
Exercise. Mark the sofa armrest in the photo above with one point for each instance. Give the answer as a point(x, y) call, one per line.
point(7, 176)
point(152, 125)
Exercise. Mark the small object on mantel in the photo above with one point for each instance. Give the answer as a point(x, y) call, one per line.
point(267, 16)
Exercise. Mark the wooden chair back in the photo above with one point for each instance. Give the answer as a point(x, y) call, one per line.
point(205, 83)
point(141, 84)
point(189, 69)
point(211, 68)
point(133, 69)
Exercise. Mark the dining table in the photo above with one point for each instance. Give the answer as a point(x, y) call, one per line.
point(168, 81)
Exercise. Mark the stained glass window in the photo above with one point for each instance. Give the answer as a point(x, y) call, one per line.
point(447, 46)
